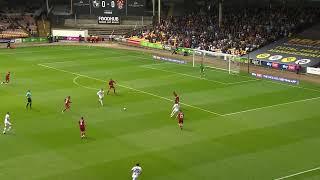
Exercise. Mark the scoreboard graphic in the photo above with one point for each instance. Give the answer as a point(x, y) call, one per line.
point(109, 7)
point(109, 11)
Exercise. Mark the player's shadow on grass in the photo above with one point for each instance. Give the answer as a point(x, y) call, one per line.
point(116, 95)
point(89, 139)
point(10, 133)
point(187, 130)
point(33, 110)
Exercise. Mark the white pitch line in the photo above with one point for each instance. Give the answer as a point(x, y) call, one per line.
point(221, 69)
point(37, 51)
point(213, 69)
point(294, 86)
point(86, 87)
point(106, 58)
point(240, 82)
point(281, 104)
point(299, 173)
point(127, 87)
point(195, 107)
point(58, 62)
point(188, 75)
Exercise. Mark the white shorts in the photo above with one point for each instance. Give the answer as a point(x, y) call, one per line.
point(100, 98)
point(6, 124)
point(175, 111)
point(135, 177)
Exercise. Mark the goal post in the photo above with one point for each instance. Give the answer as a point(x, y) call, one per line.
point(215, 60)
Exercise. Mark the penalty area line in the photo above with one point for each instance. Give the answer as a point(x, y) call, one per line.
point(297, 174)
point(86, 87)
point(183, 74)
point(192, 76)
point(275, 105)
point(127, 87)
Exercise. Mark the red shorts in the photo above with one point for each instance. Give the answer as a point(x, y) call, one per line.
point(82, 128)
point(7, 79)
point(180, 121)
point(67, 106)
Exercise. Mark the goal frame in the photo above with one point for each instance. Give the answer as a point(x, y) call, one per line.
point(227, 57)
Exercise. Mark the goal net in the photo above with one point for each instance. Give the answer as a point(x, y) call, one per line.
point(219, 61)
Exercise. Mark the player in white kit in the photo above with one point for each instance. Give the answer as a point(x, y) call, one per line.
point(7, 124)
point(136, 171)
point(100, 94)
point(175, 109)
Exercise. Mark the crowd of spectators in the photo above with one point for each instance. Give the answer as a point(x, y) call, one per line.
point(18, 22)
point(241, 31)
point(17, 26)
point(5, 23)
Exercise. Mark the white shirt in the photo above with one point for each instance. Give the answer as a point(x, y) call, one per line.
point(100, 94)
point(6, 118)
point(136, 170)
point(176, 106)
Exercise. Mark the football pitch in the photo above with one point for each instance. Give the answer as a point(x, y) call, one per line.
point(236, 127)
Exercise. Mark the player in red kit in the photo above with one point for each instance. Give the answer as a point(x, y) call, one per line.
point(176, 98)
point(180, 117)
point(7, 78)
point(111, 86)
point(67, 103)
point(82, 126)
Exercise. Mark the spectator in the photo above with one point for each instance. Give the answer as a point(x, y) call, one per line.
point(242, 31)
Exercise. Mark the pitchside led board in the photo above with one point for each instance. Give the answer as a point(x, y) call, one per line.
point(110, 11)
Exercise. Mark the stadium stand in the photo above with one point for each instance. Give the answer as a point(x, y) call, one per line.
point(20, 21)
point(242, 31)
point(10, 29)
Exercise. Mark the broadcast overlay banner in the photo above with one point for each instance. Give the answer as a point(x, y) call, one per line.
point(109, 7)
point(303, 49)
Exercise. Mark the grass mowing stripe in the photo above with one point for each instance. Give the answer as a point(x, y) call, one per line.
point(294, 86)
point(127, 87)
point(240, 82)
point(281, 104)
point(183, 74)
point(61, 62)
point(86, 87)
point(195, 107)
point(188, 75)
point(223, 71)
point(215, 69)
point(299, 173)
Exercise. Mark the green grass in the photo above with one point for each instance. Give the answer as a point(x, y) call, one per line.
point(219, 140)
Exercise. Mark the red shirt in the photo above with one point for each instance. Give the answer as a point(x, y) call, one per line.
point(180, 117)
point(81, 123)
point(177, 100)
point(111, 82)
point(67, 101)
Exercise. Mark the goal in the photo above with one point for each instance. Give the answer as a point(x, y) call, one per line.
point(215, 60)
